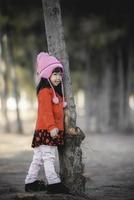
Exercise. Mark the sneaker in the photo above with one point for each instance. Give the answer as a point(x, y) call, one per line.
point(57, 188)
point(36, 186)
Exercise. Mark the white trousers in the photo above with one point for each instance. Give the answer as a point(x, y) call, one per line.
point(46, 155)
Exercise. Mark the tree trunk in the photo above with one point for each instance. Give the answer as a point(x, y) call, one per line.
point(4, 94)
point(90, 102)
point(126, 85)
point(114, 92)
point(121, 91)
point(9, 61)
point(19, 128)
point(71, 154)
point(130, 88)
point(104, 94)
point(33, 54)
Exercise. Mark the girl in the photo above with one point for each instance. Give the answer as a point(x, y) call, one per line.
point(49, 131)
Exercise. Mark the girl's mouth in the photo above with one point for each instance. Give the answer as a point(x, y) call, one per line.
point(57, 82)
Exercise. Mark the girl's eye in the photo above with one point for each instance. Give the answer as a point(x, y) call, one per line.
point(57, 74)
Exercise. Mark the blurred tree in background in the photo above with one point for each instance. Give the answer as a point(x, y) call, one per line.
point(99, 38)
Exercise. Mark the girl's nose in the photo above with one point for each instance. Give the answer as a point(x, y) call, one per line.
point(59, 78)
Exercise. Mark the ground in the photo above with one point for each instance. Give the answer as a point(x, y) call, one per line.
point(108, 160)
point(109, 166)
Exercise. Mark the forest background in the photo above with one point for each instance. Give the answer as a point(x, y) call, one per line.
point(100, 43)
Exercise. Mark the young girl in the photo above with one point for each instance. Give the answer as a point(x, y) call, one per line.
point(49, 132)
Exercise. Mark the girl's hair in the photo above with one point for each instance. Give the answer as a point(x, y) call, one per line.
point(57, 69)
point(44, 83)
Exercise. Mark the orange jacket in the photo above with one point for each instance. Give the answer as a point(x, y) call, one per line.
point(50, 115)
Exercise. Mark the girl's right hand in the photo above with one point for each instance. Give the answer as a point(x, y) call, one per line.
point(54, 132)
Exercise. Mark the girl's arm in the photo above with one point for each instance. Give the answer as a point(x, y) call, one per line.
point(45, 101)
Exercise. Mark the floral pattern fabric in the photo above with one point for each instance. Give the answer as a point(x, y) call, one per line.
point(43, 137)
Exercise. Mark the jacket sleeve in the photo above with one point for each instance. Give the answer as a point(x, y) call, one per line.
point(45, 101)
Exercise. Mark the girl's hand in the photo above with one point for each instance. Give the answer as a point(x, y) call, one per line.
point(54, 132)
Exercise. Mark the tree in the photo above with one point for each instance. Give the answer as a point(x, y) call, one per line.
point(5, 88)
point(19, 128)
point(71, 154)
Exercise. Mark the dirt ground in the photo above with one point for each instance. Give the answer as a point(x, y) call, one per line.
point(109, 166)
point(108, 160)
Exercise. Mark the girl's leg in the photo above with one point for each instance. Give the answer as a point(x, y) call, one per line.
point(34, 167)
point(48, 156)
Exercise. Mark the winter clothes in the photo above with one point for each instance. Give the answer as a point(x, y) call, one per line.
point(43, 155)
point(46, 64)
point(36, 186)
point(50, 116)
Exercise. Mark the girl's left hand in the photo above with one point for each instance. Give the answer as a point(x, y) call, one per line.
point(54, 132)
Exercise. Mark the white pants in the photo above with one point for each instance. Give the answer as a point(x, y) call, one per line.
point(46, 155)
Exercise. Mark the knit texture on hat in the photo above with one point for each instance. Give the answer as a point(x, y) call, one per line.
point(46, 64)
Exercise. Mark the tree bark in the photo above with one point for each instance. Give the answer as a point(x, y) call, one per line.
point(105, 93)
point(126, 84)
point(19, 128)
point(90, 102)
point(114, 92)
point(71, 154)
point(130, 89)
point(4, 94)
point(8, 57)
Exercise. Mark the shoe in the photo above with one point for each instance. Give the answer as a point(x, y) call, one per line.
point(57, 188)
point(36, 186)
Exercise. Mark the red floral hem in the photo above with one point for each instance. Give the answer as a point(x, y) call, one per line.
point(43, 137)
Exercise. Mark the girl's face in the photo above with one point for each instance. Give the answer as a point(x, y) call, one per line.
point(56, 78)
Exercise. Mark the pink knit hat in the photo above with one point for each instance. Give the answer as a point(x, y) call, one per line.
point(45, 66)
